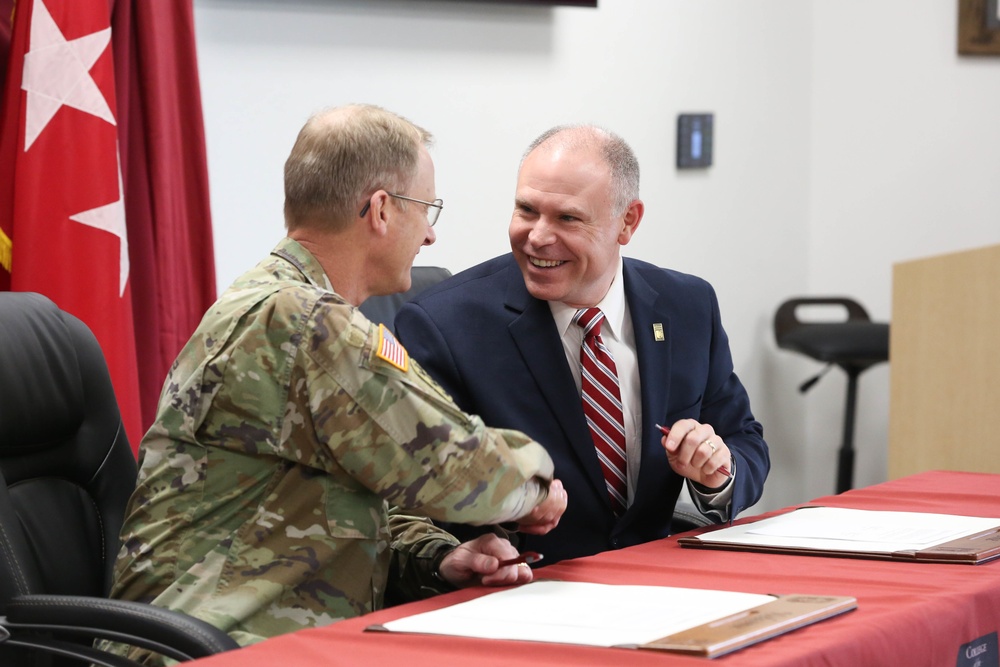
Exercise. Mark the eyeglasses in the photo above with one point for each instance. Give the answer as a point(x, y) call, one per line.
point(433, 207)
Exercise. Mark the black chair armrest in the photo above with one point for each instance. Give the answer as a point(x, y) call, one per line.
point(687, 517)
point(81, 653)
point(167, 632)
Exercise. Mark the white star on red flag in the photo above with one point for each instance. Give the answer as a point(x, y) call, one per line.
point(57, 74)
point(111, 218)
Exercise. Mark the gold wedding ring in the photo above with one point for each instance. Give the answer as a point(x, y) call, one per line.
point(710, 444)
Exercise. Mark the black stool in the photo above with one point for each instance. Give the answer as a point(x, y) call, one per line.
point(854, 344)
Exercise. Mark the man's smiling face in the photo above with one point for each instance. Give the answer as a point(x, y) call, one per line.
point(563, 232)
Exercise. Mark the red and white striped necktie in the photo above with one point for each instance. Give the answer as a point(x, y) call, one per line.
point(602, 405)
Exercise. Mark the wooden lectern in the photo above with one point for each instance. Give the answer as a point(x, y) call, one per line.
point(944, 372)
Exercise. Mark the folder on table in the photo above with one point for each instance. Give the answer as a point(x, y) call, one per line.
point(783, 614)
point(702, 622)
point(854, 533)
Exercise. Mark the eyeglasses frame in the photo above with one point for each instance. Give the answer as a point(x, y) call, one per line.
point(437, 204)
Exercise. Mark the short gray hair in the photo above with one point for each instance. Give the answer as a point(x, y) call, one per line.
point(617, 154)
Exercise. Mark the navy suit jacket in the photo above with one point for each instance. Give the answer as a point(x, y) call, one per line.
point(496, 350)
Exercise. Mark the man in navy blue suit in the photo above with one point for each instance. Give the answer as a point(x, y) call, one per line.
point(500, 338)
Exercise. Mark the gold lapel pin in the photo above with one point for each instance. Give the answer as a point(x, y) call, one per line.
point(658, 331)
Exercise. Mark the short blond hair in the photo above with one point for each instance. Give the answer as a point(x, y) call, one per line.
point(344, 154)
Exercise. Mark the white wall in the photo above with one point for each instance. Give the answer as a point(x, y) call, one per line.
point(905, 164)
point(827, 129)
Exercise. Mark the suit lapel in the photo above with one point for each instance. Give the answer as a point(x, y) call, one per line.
point(534, 333)
point(648, 308)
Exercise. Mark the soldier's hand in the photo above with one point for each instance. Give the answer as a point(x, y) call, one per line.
point(477, 562)
point(547, 513)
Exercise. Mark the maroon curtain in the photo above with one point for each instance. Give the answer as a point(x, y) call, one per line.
point(166, 182)
point(6, 9)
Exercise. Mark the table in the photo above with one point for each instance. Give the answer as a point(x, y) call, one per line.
point(908, 613)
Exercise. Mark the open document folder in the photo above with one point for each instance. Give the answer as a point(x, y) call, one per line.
point(833, 531)
point(702, 622)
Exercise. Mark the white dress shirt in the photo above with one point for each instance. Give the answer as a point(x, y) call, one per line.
point(619, 337)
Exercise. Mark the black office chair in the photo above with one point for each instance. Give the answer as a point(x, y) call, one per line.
point(854, 344)
point(382, 309)
point(66, 473)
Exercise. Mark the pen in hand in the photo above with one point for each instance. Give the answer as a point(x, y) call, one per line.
point(723, 469)
point(526, 558)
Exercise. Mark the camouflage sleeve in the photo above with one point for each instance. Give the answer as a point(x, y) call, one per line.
point(396, 432)
point(417, 549)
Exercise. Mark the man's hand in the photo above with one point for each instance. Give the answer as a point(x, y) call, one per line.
point(477, 562)
point(547, 513)
point(694, 451)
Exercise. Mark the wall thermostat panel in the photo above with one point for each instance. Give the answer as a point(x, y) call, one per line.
point(694, 140)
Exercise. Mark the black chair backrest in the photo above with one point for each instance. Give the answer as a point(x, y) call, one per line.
point(67, 464)
point(854, 343)
point(383, 309)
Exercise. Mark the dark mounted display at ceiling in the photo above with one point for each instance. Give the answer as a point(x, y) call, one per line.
point(566, 3)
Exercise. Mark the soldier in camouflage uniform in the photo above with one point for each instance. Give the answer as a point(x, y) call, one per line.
point(294, 436)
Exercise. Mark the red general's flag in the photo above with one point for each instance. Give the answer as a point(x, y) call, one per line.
point(62, 212)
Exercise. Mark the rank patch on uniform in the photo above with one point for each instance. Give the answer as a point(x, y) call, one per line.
point(390, 350)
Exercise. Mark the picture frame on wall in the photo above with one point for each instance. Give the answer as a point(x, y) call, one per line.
point(979, 27)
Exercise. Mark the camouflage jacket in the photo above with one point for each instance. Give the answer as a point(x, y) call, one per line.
point(287, 428)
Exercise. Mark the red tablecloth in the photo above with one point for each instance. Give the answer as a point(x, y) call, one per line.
point(908, 613)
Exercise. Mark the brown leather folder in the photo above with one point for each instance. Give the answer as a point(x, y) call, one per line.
point(769, 616)
point(784, 614)
point(978, 547)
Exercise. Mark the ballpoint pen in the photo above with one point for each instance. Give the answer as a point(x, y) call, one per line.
point(723, 469)
point(525, 558)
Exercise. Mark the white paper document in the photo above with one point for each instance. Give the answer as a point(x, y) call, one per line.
point(581, 613)
point(838, 529)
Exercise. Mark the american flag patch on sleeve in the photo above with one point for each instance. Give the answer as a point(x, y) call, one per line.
point(390, 350)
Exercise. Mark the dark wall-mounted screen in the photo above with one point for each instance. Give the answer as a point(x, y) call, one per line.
point(568, 3)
